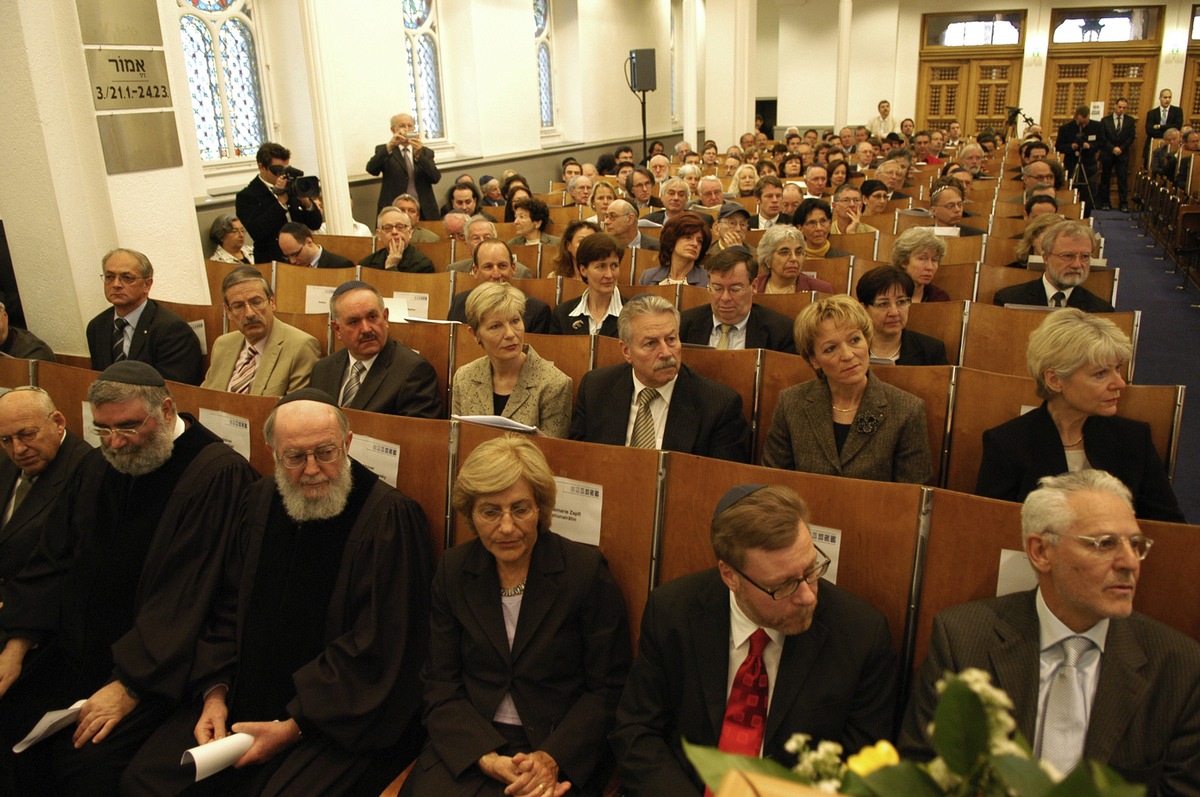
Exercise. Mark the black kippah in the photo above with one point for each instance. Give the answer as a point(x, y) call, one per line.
point(352, 285)
point(132, 372)
point(307, 394)
point(735, 494)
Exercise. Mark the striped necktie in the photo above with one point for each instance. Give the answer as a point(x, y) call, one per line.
point(723, 341)
point(118, 339)
point(243, 375)
point(643, 424)
point(353, 383)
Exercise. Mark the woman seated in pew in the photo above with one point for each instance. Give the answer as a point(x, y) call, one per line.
point(603, 195)
point(573, 235)
point(684, 240)
point(1077, 360)
point(814, 218)
point(517, 193)
point(510, 380)
point(781, 259)
point(1031, 239)
point(529, 643)
point(919, 252)
point(597, 310)
point(875, 197)
point(839, 173)
point(531, 219)
point(887, 292)
point(744, 180)
point(947, 204)
point(846, 422)
point(230, 236)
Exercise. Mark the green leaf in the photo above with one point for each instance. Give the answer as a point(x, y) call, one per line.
point(905, 778)
point(854, 786)
point(1079, 783)
point(960, 734)
point(1022, 775)
point(1111, 784)
point(712, 764)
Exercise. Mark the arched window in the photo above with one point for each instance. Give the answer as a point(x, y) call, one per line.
point(421, 46)
point(223, 77)
point(542, 45)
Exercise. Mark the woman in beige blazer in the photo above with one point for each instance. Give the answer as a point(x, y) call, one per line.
point(510, 380)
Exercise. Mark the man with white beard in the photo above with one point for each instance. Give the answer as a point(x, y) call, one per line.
point(110, 605)
point(319, 633)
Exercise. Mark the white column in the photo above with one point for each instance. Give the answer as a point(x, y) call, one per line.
point(689, 72)
point(331, 161)
point(730, 31)
point(841, 106)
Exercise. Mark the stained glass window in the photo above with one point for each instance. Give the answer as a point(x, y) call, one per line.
point(421, 46)
point(542, 44)
point(223, 77)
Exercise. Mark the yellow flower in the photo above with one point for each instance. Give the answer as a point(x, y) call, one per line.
point(869, 759)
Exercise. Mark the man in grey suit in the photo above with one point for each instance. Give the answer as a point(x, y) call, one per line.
point(1067, 248)
point(41, 457)
point(651, 400)
point(1088, 676)
point(374, 373)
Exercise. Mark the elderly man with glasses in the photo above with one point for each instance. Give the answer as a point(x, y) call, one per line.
point(393, 236)
point(137, 327)
point(747, 653)
point(1067, 249)
point(316, 644)
point(1089, 677)
point(108, 608)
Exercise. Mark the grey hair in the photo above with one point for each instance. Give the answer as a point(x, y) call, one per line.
point(269, 424)
point(143, 261)
point(244, 274)
point(1074, 230)
point(774, 237)
point(478, 219)
point(392, 209)
point(43, 398)
point(648, 304)
point(913, 240)
point(687, 170)
point(103, 391)
point(1047, 509)
point(222, 225)
point(671, 182)
point(366, 286)
point(1070, 339)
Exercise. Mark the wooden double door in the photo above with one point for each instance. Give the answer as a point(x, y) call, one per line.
point(976, 92)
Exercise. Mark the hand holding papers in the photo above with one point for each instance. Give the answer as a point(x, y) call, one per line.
point(211, 758)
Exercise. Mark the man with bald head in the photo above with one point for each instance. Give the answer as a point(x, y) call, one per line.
point(41, 455)
point(407, 166)
point(621, 222)
point(317, 639)
point(660, 167)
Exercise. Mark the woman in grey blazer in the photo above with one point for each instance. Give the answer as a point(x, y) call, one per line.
point(846, 422)
point(510, 380)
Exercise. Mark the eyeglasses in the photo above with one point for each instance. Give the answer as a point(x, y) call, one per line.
point(127, 430)
point(293, 255)
point(254, 303)
point(395, 227)
point(903, 303)
point(324, 454)
point(787, 590)
point(952, 205)
point(732, 290)
point(492, 515)
point(125, 278)
point(1110, 544)
point(817, 223)
point(1083, 258)
point(26, 436)
point(848, 200)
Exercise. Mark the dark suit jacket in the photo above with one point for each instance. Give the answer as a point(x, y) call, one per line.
point(413, 261)
point(782, 218)
point(918, 349)
point(888, 441)
point(1019, 452)
point(836, 681)
point(400, 382)
point(24, 345)
point(1145, 719)
point(649, 243)
point(262, 216)
point(161, 338)
point(565, 668)
point(659, 217)
point(537, 312)
point(765, 328)
point(395, 178)
point(1124, 139)
point(24, 529)
point(1069, 133)
point(704, 417)
point(563, 323)
point(330, 259)
point(1154, 128)
point(1033, 293)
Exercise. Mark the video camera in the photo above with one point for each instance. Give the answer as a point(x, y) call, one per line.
point(298, 185)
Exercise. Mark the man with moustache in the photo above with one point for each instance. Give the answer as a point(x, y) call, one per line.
point(319, 633)
point(373, 372)
point(1067, 249)
point(111, 603)
point(263, 356)
point(1089, 677)
point(651, 400)
point(745, 654)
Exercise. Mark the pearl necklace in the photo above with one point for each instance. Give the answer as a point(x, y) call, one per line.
point(513, 592)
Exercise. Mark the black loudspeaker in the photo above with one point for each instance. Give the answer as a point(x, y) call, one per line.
point(642, 70)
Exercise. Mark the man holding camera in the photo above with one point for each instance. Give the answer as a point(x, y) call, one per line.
point(407, 167)
point(270, 201)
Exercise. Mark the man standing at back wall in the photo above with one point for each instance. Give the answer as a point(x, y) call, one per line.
point(407, 167)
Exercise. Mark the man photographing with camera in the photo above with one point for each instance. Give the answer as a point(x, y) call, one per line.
point(272, 200)
point(1079, 141)
point(407, 167)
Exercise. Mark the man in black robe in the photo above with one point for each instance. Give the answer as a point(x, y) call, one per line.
point(319, 633)
point(111, 602)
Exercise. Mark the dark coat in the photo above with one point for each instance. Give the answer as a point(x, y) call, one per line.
point(161, 338)
point(1033, 293)
point(262, 216)
point(400, 382)
point(765, 328)
point(395, 178)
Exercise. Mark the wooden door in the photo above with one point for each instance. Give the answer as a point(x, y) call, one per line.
point(975, 91)
point(1189, 100)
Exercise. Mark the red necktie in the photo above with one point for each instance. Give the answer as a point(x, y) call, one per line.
point(746, 712)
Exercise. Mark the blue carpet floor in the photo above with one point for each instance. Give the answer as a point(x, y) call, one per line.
point(1169, 338)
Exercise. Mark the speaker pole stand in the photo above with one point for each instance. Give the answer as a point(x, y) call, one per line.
point(645, 146)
